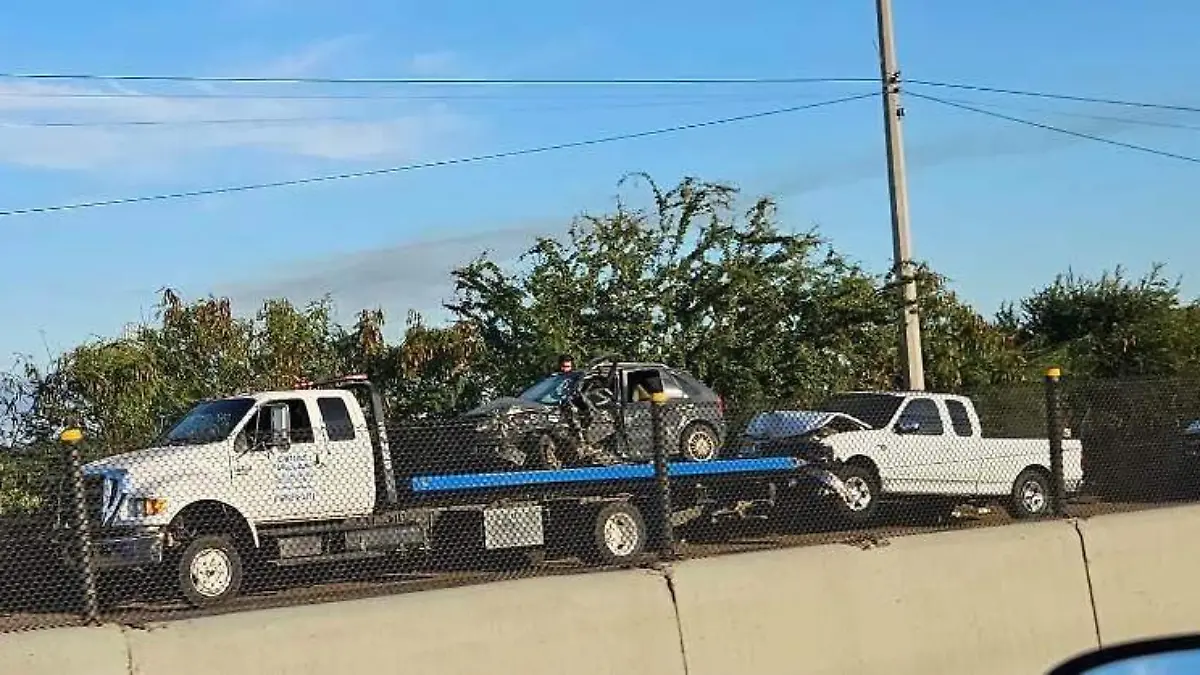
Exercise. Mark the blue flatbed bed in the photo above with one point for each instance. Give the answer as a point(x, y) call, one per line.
point(622, 473)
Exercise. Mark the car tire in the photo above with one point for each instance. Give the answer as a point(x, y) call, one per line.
point(1032, 495)
point(864, 493)
point(619, 534)
point(699, 443)
point(210, 570)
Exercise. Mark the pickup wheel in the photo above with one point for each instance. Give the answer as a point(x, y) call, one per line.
point(862, 500)
point(619, 534)
point(210, 570)
point(1031, 495)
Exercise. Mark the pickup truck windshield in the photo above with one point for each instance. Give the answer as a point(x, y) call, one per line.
point(209, 422)
point(551, 390)
point(874, 409)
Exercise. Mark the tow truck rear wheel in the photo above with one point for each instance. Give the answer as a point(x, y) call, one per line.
point(619, 534)
point(210, 570)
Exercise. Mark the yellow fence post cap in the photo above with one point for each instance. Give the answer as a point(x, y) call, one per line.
point(1054, 372)
point(658, 397)
point(71, 435)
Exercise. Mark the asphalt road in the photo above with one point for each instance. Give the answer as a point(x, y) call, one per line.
point(38, 595)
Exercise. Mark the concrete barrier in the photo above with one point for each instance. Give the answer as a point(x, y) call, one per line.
point(615, 622)
point(1144, 568)
point(996, 600)
point(65, 651)
point(1015, 599)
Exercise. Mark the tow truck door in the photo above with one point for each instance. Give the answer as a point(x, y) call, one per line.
point(345, 464)
point(276, 480)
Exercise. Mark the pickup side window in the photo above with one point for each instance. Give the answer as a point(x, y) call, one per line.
point(959, 419)
point(337, 418)
point(924, 411)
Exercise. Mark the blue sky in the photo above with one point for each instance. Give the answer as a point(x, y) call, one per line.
point(1000, 208)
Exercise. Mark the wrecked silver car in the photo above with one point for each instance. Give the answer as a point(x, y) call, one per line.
point(599, 415)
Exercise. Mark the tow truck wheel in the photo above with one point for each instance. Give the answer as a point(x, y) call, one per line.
point(619, 534)
point(862, 499)
point(210, 570)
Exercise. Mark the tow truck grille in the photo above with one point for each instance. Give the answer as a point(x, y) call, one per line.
point(94, 489)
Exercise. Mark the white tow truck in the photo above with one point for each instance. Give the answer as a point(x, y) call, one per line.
point(308, 476)
point(917, 445)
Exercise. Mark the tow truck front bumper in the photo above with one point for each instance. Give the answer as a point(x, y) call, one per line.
point(117, 549)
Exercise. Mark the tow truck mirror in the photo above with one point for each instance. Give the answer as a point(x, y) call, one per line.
point(908, 427)
point(281, 426)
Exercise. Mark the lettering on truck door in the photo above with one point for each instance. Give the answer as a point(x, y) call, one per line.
point(279, 483)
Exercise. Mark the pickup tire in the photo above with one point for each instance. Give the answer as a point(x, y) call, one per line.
point(864, 488)
point(210, 570)
point(1032, 496)
point(619, 534)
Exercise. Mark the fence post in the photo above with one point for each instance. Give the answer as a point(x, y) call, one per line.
point(83, 535)
point(1054, 429)
point(661, 481)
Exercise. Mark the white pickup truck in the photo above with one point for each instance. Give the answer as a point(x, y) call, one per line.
point(916, 444)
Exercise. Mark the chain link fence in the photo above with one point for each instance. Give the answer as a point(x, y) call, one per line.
point(307, 496)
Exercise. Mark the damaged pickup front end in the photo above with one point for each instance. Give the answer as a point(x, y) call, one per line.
point(800, 434)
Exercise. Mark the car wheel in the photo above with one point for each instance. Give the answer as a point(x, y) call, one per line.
point(210, 570)
point(698, 443)
point(862, 495)
point(1032, 496)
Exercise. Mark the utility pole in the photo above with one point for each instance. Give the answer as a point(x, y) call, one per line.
point(889, 73)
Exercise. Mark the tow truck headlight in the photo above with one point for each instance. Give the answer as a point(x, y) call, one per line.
point(149, 506)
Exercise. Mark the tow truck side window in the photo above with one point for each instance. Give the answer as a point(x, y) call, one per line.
point(302, 431)
point(924, 411)
point(337, 418)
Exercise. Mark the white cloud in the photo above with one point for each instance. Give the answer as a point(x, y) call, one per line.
point(434, 64)
point(344, 129)
point(306, 60)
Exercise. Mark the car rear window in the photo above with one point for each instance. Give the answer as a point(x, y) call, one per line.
point(691, 386)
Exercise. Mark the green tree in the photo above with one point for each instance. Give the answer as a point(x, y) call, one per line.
point(760, 313)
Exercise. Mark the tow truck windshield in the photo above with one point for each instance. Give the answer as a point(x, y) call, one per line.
point(209, 422)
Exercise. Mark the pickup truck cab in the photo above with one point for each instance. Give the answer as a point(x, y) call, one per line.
point(917, 444)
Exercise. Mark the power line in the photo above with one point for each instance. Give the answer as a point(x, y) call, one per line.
point(1055, 96)
point(603, 105)
point(374, 96)
point(183, 122)
point(1060, 130)
point(1101, 118)
point(571, 82)
point(429, 165)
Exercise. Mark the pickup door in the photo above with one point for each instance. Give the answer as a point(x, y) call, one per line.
point(933, 449)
